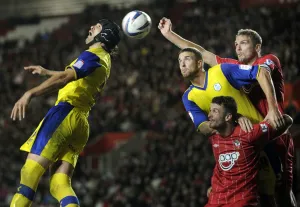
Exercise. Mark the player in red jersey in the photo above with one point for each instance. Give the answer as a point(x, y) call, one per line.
point(248, 49)
point(234, 180)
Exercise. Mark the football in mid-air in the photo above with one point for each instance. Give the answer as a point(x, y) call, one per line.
point(136, 24)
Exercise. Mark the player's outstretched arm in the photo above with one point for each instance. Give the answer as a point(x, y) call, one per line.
point(165, 27)
point(53, 83)
point(37, 69)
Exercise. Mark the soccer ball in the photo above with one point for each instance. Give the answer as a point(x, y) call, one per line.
point(136, 24)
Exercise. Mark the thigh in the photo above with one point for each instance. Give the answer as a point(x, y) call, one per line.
point(77, 140)
point(49, 138)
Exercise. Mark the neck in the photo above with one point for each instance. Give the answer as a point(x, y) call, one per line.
point(250, 62)
point(199, 80)
point(95, 45)
point(226, 130)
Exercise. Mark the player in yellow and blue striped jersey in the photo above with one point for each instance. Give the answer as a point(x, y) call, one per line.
point(63, 133)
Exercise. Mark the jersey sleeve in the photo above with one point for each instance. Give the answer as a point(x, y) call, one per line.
point(262, 133)
point(85, 64)
point(241, 75)
point(197, 115)
point(271, 61)
point(226, 60)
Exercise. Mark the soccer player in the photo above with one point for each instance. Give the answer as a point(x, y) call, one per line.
point(63, 133)
point(248, 49)
point(236, 152)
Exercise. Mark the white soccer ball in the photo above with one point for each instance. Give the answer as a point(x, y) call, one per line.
point(136, 24)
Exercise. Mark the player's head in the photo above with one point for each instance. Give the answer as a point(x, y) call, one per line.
point(106, 32)
point(223, 110)
point(190, 62)
point(247, 45)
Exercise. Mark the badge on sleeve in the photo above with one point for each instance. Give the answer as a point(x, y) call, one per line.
point(78, 64)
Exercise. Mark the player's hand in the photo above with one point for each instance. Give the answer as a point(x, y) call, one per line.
point(20, 107)
point(275, 118)
point(36, 69)
point(245, 124)
point(208, 191)
point(165, 26)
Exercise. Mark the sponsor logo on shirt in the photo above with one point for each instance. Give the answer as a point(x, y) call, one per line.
point(227, 160)
point(78, 64)
point(217, 87)
point(264, 127)
point(245, 67)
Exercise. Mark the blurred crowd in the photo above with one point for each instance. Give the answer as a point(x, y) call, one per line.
point(143, 93)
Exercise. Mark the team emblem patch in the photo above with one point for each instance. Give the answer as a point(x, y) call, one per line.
point(78, 64)
point(237, 144)
point(264, 127)
point(269, 62)
point(217, 87)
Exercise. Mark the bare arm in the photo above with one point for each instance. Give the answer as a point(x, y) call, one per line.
point(165, 27)
point(265, 81)
point(37, 69)
point(55, 82)
point(205, 129)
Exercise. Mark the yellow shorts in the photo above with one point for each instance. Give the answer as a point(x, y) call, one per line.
point(61, 135)
point(266, 176)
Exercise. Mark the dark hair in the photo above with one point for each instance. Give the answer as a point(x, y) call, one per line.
point(229, 104)
point(254, 36)
point(195, 51)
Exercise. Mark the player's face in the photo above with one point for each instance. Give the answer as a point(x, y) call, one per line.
point(245, 49)
point(189, 66)
point(94, 30)
point(216, 116)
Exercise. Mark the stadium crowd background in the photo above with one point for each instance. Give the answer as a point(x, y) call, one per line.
point(143, 93)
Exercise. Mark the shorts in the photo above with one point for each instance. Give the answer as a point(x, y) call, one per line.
point(266, 176)
point(61, 135)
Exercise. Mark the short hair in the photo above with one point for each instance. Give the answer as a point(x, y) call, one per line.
point(229, 104)
point(195, 51)
point(254, 36)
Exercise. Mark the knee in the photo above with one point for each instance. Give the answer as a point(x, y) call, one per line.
point(59, 182)
point(31, 172)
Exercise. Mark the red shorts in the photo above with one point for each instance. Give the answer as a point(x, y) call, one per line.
point(250, 202)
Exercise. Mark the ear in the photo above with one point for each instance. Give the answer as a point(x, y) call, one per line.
point(228, 117)
point(258, 48)
point(200, 64)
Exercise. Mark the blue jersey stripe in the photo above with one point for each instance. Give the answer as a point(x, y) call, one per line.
point(69, 200)
point(52, 120)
